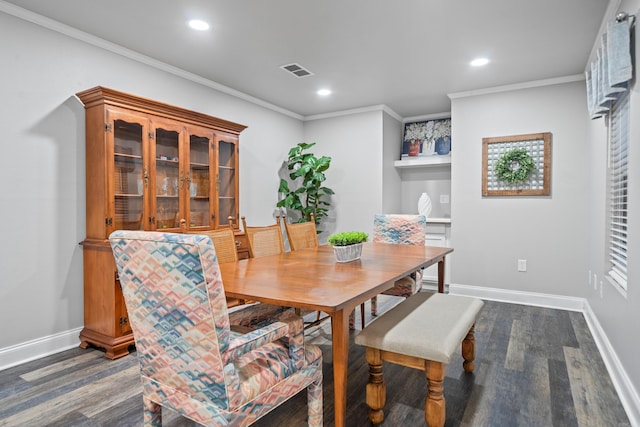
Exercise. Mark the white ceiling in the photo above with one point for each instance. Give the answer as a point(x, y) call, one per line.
point(406, 54)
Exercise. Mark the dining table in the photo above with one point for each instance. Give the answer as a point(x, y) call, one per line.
point(312, 279)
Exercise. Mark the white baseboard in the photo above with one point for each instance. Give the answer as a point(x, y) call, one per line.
point(519, 297)
point(626, 392)
point(40, 347)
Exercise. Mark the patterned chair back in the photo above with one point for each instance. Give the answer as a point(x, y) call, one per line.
point(177, 309)
point(399, 229)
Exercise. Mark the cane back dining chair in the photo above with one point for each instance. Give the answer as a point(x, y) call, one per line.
point(190, 359)
point(301, 235)
point(402, 230)
point(264, 240)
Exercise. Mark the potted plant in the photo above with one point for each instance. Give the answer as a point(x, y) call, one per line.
point(306, 192)
point(347, 245)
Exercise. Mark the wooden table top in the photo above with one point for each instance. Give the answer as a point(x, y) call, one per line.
point(311, 278)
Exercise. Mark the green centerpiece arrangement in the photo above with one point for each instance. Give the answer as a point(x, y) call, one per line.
point(347, 245)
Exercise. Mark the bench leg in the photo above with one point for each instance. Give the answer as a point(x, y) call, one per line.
point(469, 349)
point(434, 408)
point(376, 390)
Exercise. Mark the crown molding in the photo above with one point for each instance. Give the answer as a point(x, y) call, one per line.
point(518, 86)
point(380, 107)
point(445, 115)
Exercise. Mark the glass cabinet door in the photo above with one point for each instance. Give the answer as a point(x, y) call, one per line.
point(128, 133)
point(227, 179)
point(200, 161)
point(165, 155)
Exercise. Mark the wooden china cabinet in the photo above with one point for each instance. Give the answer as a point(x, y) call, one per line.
point(149, 166)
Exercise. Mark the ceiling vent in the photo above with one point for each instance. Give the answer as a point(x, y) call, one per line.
point(297, 70)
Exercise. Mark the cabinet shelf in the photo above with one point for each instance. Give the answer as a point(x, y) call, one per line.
point(128, 195)
point(167, 161)
point(127, 156)
point(426, 161)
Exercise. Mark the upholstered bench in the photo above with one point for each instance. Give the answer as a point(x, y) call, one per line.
point(421, 332)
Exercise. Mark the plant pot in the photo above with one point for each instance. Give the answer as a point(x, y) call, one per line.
point(348, 253)
point(443, 145)
point(414, 147)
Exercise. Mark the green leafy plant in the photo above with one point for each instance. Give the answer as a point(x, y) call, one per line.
point(346, 238)
point(306, 194)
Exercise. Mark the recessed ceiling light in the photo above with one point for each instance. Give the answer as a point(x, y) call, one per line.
point(479, 62)
point(199, 25)
point(324, 92)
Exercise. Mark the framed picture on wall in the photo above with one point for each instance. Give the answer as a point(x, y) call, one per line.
point(517, 165)
point(427, 138)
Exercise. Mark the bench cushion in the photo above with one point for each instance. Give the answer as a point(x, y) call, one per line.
point(427, 326)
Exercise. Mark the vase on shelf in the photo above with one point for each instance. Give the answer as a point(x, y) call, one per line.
point(424, 205)
point(414, 147)
point(428, 148)
point(443, 145)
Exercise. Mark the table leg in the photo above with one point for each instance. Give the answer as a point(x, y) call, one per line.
point(340, 344)
point(441, 276)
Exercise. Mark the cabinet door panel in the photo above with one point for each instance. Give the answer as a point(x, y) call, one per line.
point(126, 137)
point(201, 159)
point(165, 151)
point(227, 178)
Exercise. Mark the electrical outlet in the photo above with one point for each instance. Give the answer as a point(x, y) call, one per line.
point(444, 199)
point(522, 265)
point(601, 289)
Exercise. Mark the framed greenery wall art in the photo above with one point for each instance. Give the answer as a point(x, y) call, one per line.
point(517, 165)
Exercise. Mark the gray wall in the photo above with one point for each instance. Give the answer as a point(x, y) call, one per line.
point(391, 178)
point(354, 142)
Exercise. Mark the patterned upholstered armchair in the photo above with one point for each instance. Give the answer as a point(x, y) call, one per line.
point(401, 230)
point(190, 358)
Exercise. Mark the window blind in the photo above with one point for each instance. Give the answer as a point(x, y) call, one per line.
point(617, 190)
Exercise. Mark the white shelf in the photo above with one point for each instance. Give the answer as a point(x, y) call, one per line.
point(438, 220)
point(423, 161)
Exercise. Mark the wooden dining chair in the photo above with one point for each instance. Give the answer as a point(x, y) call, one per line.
point(191, 360)
point(302, 235)
point(264, 240)
point(225, 243)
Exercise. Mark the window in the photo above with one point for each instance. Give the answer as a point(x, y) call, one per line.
point(617, 191)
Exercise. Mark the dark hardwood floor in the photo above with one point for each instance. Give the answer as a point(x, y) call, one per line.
point(534, 367)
